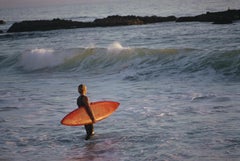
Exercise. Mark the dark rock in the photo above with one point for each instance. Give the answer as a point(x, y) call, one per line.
point(1, 31)
point(2, 22)
point(130, 20)
point(44, 25)
point(156, 19)
point(223, 20)
point(186, 19)
point(217, 17)
point(224, 17)
point(118, 21)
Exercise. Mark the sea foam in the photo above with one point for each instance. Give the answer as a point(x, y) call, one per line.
point(116, 47)
point(40, 58)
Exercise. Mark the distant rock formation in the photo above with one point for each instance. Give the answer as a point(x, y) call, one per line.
point(130, 20)
point(2, 22)
point(44, 25)
point(224, 17)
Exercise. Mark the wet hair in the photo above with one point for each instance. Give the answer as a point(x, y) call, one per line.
point(82, 88)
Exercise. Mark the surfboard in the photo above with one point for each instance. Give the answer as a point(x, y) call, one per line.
point(79, 116)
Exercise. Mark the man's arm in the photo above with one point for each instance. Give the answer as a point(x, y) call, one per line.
point(88, 109)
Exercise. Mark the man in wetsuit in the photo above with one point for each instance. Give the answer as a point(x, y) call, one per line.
point(82, 101)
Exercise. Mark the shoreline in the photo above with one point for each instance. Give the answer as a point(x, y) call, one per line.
point(222, 17)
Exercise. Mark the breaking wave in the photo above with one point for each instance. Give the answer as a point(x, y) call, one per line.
point(137, 62)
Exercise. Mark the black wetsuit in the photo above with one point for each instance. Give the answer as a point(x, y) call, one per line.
point(83, 101)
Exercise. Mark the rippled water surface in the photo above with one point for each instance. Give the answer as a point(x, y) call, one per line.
point(177, 83)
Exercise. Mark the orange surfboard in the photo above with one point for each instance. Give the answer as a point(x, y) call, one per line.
point(79, 116)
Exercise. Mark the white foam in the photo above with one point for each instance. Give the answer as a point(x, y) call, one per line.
point(116, 47)
point(40, 58)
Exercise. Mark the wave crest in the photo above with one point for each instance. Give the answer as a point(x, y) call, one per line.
point(134, 63)
point(40, 58)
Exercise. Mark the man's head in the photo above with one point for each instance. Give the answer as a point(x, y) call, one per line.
point(82, 89)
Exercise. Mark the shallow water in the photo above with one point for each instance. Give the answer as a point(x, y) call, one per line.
point(178, 85)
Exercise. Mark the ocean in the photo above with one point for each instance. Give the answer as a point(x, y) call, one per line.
point(178, 84)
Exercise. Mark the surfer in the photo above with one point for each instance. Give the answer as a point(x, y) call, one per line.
point(83, 101)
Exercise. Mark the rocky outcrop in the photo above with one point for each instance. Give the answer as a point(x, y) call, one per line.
point(118, 21)
point(224, 17)
point(130, 20)
point(2, 22)
point(44, 25)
